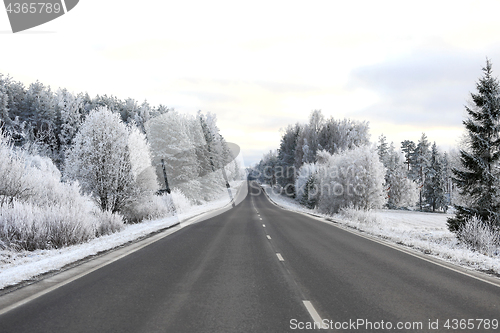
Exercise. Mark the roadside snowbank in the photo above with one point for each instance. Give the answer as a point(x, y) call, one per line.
point(16, 267)
point(426, 232)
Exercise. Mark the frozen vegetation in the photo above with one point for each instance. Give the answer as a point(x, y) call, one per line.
point(79, 175)
point(38, 211)
point(330, 167)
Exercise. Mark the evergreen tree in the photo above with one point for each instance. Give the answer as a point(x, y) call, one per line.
point(382, 149)
point(286, 154)
point(69, 109)
point(129, 110)
point(16, 93)
point(478, 176)
point(447, 178)
point(338, 135)
point(310, 197)
point(112, 103)
point(311, 136)
point(401, 191)
point(408, 147)
point(4, 101)
point(434, 189)
point(143, 115)
point(421, 163)
point(299, 151)
point(211, 178)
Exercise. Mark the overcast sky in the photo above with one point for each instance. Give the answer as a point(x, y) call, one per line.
point(406, 66)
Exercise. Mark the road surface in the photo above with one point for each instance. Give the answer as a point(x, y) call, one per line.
point(258, 268)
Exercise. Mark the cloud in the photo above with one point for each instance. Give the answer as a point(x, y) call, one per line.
point(428, 87)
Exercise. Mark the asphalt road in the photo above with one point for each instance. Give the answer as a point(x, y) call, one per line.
point(258, 268)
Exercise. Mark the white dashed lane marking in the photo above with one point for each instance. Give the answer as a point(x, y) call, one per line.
point(314, 314)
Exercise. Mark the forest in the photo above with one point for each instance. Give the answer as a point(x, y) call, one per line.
point(73, 167)
point(330, 165)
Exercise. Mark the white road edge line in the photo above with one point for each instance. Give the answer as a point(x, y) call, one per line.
point(76, 277)
point(147, 241)
point(314, 314)
point(280, 257)
point(268, 237)
point(264, 225)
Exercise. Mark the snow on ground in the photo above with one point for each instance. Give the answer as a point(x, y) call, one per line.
point(414, 219)
point(425, 232)
point(16, 267)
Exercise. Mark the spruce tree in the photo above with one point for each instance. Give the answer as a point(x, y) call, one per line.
point(421, 162)
point(286, 155)
point(383, 149)
point(401, 191)
point(434, 189)
point(4, 101)
point(408, 147)
point(310, 197)
point(478, 176)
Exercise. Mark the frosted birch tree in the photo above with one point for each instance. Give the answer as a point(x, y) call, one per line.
point(100, 160)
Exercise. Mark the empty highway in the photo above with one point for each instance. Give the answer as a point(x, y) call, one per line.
point(259, 268)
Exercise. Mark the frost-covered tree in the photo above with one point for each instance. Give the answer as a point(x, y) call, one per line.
point(435, 183)
point(4, 101)
point(143, 203)
point(69, 108)
point(421, 160)
point(16, 93)
point(38, 211)
point(299, 147)
point(99, 160)
point(301, 143)
point(447, 167)
point(307, 184)
point(38, 112)
point(143, 115)
point(112, 103)
point(311, 136)
point(267, 168)
point(39, 107)
point(477, 178)
point(286, 155)
point(13, 182)
point(170, 140)
point(129, 110)
point(352, 178)
point(208, 147)
point(140, 160)
point(205, 151)
point(401, 191)
point(382, 149)
point(422, 157)
point(338, 135)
